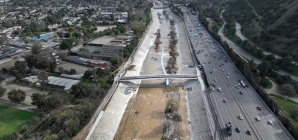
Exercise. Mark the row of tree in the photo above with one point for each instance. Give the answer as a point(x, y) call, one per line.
point(171, 65)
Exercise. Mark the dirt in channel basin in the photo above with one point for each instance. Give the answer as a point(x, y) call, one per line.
point(144, 116)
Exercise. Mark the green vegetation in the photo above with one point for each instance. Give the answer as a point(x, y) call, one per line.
point(12, 120)
point(267, 24)
point(287, 105)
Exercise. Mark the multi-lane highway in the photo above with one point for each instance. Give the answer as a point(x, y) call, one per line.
point(223, 76)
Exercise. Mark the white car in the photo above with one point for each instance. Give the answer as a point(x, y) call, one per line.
point(240, 117)
point(258, 118)
point(228, 77)
point(212, 88)
point(270, 122)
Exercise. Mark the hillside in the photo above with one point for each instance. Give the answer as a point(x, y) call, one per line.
point(271, 24)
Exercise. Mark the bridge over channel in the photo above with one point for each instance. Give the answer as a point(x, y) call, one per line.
point(150, 77)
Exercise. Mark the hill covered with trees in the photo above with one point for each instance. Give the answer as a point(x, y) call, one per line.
point(270, 24)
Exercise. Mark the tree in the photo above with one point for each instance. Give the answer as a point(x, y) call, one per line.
point(157, 42)
point(286, 62)
point(264, 67)
point(2, 91)
point(66, 44)
point(72, 71)
point(81, 90)
point(87, 74)
point(43, 77)
point(31, 60)
point(16, 96)
point(294, 113)
point(60, 69)
point(43, 102)
point(38, 100)
point(4, 70)
point(36, 48)
point(53, 64)
point(26, 40)
point(116, 59)
point(287, 89)
point(19, 76)
point(62, 54)
point(270, 58)
point(20, 66)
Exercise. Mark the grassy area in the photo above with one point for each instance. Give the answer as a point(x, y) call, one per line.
point(12, 120)
point(277, 47)
point(287, 105)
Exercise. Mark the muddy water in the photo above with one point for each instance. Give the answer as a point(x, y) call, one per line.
point(144, 115)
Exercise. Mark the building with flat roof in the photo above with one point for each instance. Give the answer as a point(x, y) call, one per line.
point(87, 62)
point(105, 47)
point(58, 83)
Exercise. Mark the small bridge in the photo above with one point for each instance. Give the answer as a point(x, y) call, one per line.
point(150, 77)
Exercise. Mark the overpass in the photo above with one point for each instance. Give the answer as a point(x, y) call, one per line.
point(150, 77)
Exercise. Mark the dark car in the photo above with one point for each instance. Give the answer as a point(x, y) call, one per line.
point(258, 107)
point(241, 92)
point(237, 129)
point(248, 132)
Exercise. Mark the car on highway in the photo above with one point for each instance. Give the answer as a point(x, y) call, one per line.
point(240, 117)
point(259, 107)
point(237, 129)
point(241, 92)
point(215, 80)
point(258, 118)
point(228, 77)
point(219, 89)
point(212, 88)
point(248, 132)
point(270, 122)
point(224, 100)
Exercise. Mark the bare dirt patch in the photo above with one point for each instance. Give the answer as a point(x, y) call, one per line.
point(144, 117)
point(102, 28)
point(28, 90)
point(80, 69)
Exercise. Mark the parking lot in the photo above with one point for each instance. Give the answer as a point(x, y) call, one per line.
point(80, 69)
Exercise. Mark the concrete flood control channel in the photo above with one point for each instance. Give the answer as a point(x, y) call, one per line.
point(141, 113)
point(144, 117)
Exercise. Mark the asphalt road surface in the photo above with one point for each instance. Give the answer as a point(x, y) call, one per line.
point(222, 73)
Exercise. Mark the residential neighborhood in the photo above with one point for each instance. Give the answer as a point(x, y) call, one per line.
point(55, 55)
